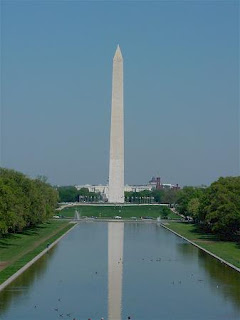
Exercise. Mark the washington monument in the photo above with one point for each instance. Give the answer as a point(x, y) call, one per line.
point(116, 163)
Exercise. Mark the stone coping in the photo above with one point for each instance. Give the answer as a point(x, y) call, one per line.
point(121, 220)
point(205, 250)
point(27, 265)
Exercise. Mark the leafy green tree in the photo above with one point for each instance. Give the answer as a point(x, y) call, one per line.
point(169, 196)
point(193, 208)
point(220, 207)
point(132, 196)
point(83, 192)
point(68, 194)
point(184, 196)
point(24, 202)
point(165, 212)
point(8, 217)
point(158, 195)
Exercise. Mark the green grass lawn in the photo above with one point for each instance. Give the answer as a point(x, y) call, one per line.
point(18, 249)
point(227, 250)
point(125, 212)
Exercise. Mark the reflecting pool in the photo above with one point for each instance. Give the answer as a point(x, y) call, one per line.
point(115, 270)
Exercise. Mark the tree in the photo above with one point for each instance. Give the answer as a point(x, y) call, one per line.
point(158, 195)
point(193, 208)
point(184, 196)
point(24, 202)
point(165, 212)
point(83, 192)
point(220, 207)
point(68, 194)
point(169, 196)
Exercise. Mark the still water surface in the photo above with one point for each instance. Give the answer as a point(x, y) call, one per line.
point(116, 270)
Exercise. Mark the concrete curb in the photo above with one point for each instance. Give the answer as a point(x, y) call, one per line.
point(24, 268)
point(205, 250)
point(121, 220)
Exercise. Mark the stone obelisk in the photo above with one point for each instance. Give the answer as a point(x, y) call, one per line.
point(116, 164)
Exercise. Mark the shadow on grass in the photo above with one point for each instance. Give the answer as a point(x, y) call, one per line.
point(5, 240)
point(204, 234)
point(238, 244)
point(32, 230)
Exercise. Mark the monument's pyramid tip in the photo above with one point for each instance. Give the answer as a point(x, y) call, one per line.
point(118, 54)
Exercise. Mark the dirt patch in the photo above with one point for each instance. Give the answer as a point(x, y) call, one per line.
point(202, 241)
point(3, 264)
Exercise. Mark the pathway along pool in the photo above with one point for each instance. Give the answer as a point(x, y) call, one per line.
point(115, 270)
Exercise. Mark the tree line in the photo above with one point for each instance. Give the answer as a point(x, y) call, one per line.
point(24, 202)
point(71, 194)
point(215, 208)
point(168, 196)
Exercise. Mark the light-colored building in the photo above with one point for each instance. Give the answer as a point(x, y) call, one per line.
point(104, 189)
point(138, 188)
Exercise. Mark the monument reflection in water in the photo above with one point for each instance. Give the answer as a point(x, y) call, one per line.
point(115, 269)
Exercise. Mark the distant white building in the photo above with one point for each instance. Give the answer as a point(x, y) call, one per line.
point(138, 188)
point(154, 183)
point(103, 189)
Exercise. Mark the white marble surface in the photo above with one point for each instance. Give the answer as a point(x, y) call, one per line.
point(116, 164)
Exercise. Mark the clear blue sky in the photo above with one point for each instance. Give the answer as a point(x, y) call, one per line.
point(181, 89)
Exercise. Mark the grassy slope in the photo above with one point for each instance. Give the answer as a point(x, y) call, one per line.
point(18, 249)
point(111, 211)
point(227, 250)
